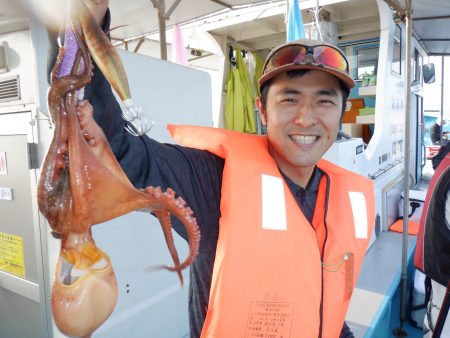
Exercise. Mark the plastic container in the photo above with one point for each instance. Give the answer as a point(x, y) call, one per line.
point(373, 79)
point(365, 80)
point(366, 111)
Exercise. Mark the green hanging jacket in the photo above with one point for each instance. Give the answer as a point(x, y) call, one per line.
point(240, 103)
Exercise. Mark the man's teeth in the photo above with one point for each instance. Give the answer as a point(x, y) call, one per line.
point(304, 139)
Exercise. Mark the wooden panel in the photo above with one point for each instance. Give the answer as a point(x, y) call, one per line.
point(350, 115)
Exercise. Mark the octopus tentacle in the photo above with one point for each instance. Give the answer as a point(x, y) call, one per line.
point(53, 190)
point(57, 66)
point(179, 208)
point(164, 219)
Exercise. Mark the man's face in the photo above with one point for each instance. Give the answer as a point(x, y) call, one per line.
point(302, 117)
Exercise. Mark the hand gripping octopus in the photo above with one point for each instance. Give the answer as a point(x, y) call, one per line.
point(81, 184)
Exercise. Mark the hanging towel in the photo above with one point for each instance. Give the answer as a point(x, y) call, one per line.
point(254, 67)
point(250, 63)
point(178, 49)
point(257, 72)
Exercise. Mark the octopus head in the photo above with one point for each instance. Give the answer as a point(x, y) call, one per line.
point(83, 295)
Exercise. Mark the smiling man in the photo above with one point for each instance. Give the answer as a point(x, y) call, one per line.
point(294, 228)
point(283, 232)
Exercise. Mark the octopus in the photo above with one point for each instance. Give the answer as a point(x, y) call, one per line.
point(81, 184)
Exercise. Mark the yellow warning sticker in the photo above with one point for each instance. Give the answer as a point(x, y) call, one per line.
point(11, 254)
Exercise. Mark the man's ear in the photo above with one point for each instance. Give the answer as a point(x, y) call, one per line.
point(261, 111)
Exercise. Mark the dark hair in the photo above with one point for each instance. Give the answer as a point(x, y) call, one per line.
point(298, 73)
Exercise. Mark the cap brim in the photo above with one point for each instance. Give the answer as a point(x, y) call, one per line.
point(348, 81)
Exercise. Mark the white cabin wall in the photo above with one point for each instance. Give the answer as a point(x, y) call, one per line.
point(27, 58)
point(213, 62)
point(386, 146)
point(19, 48)
point(27, 55)
point(149, 48)
point(390, 100)
point(39, 43)
point(389, 120)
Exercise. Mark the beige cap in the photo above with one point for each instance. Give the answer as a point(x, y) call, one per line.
point(342, 75)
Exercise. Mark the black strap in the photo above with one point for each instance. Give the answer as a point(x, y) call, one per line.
point(414, 206)
point(427, 289)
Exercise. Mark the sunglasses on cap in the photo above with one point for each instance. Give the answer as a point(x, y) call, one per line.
point(320, 55)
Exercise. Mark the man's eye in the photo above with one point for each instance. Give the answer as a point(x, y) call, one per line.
point(327, 101)
point(288, 99)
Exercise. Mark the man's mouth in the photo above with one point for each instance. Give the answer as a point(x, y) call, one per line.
point(304, 139)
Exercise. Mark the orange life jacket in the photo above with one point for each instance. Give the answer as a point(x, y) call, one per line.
point(288, 279)
point(432, 256)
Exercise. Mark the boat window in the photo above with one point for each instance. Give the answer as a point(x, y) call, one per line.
point(436, 102)
point(366, 60)
point(396, 66)
point(417, 67)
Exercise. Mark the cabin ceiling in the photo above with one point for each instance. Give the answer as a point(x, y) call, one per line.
point(431, 25)
point(266, 28)
point(144, 14)
point(359, 22)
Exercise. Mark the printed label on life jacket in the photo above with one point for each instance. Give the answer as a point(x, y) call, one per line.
point(359, 210)
point(270, 319)
point(273, 203)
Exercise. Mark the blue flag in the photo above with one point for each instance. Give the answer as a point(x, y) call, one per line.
point(294, 24)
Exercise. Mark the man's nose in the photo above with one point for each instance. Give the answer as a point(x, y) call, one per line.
point(305, 116)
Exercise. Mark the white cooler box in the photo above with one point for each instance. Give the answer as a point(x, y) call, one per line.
point(416, 202)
